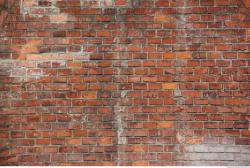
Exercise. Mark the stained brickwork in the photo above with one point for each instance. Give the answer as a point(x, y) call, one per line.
point(124, 82)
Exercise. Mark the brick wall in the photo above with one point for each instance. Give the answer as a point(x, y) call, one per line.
point(124, 82)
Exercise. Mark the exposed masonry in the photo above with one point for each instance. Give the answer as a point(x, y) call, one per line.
point(56, 16)
point(161, 82)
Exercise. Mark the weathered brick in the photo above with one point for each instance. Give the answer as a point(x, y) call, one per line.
point(124, 82)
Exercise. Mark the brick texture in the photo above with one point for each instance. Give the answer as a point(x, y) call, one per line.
point(124, 82)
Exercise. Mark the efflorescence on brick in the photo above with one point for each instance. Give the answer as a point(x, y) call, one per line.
point(124, 82)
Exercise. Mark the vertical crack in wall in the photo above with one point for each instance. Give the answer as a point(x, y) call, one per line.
point(120, 107)
point(120, 110)
point(183, 136)
point(181, 37)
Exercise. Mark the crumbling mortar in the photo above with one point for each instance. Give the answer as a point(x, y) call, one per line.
point(118, 110)
point(121, 111)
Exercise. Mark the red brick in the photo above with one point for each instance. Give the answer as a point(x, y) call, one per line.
point(164, 156)
point(42, 141)
point(74, 141)
point(120, 2)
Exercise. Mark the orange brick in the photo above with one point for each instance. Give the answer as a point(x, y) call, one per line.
point(105, 141)
point(139, 148)
point(140, 163)
point(63, 133)
point(165, 124)
point(169, 86)
point(31, 46)
point(169, 56)
point(74, 141)
point(184, 55)
point(193, 141)
point(104, 33)
point(162, 18)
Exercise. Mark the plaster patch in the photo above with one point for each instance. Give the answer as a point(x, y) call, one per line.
point(31, 8)
point(216, 152)
point(180, 138)
point(58, 56)
point(120, 124)
point(96, 3)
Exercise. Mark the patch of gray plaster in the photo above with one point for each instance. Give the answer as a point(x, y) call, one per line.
point(178, 97)
point(84, 118)
point(210, 154)
point(96, 3)
point(121, 110)
point(180, 138)
point(119, 115)
point(120, 123)
point(59, 56)
point(124, 93)
point(30, 7)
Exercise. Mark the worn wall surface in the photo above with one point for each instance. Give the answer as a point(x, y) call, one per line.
point(124, 82)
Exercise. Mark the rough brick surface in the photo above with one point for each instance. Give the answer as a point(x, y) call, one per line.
point(124, 82)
